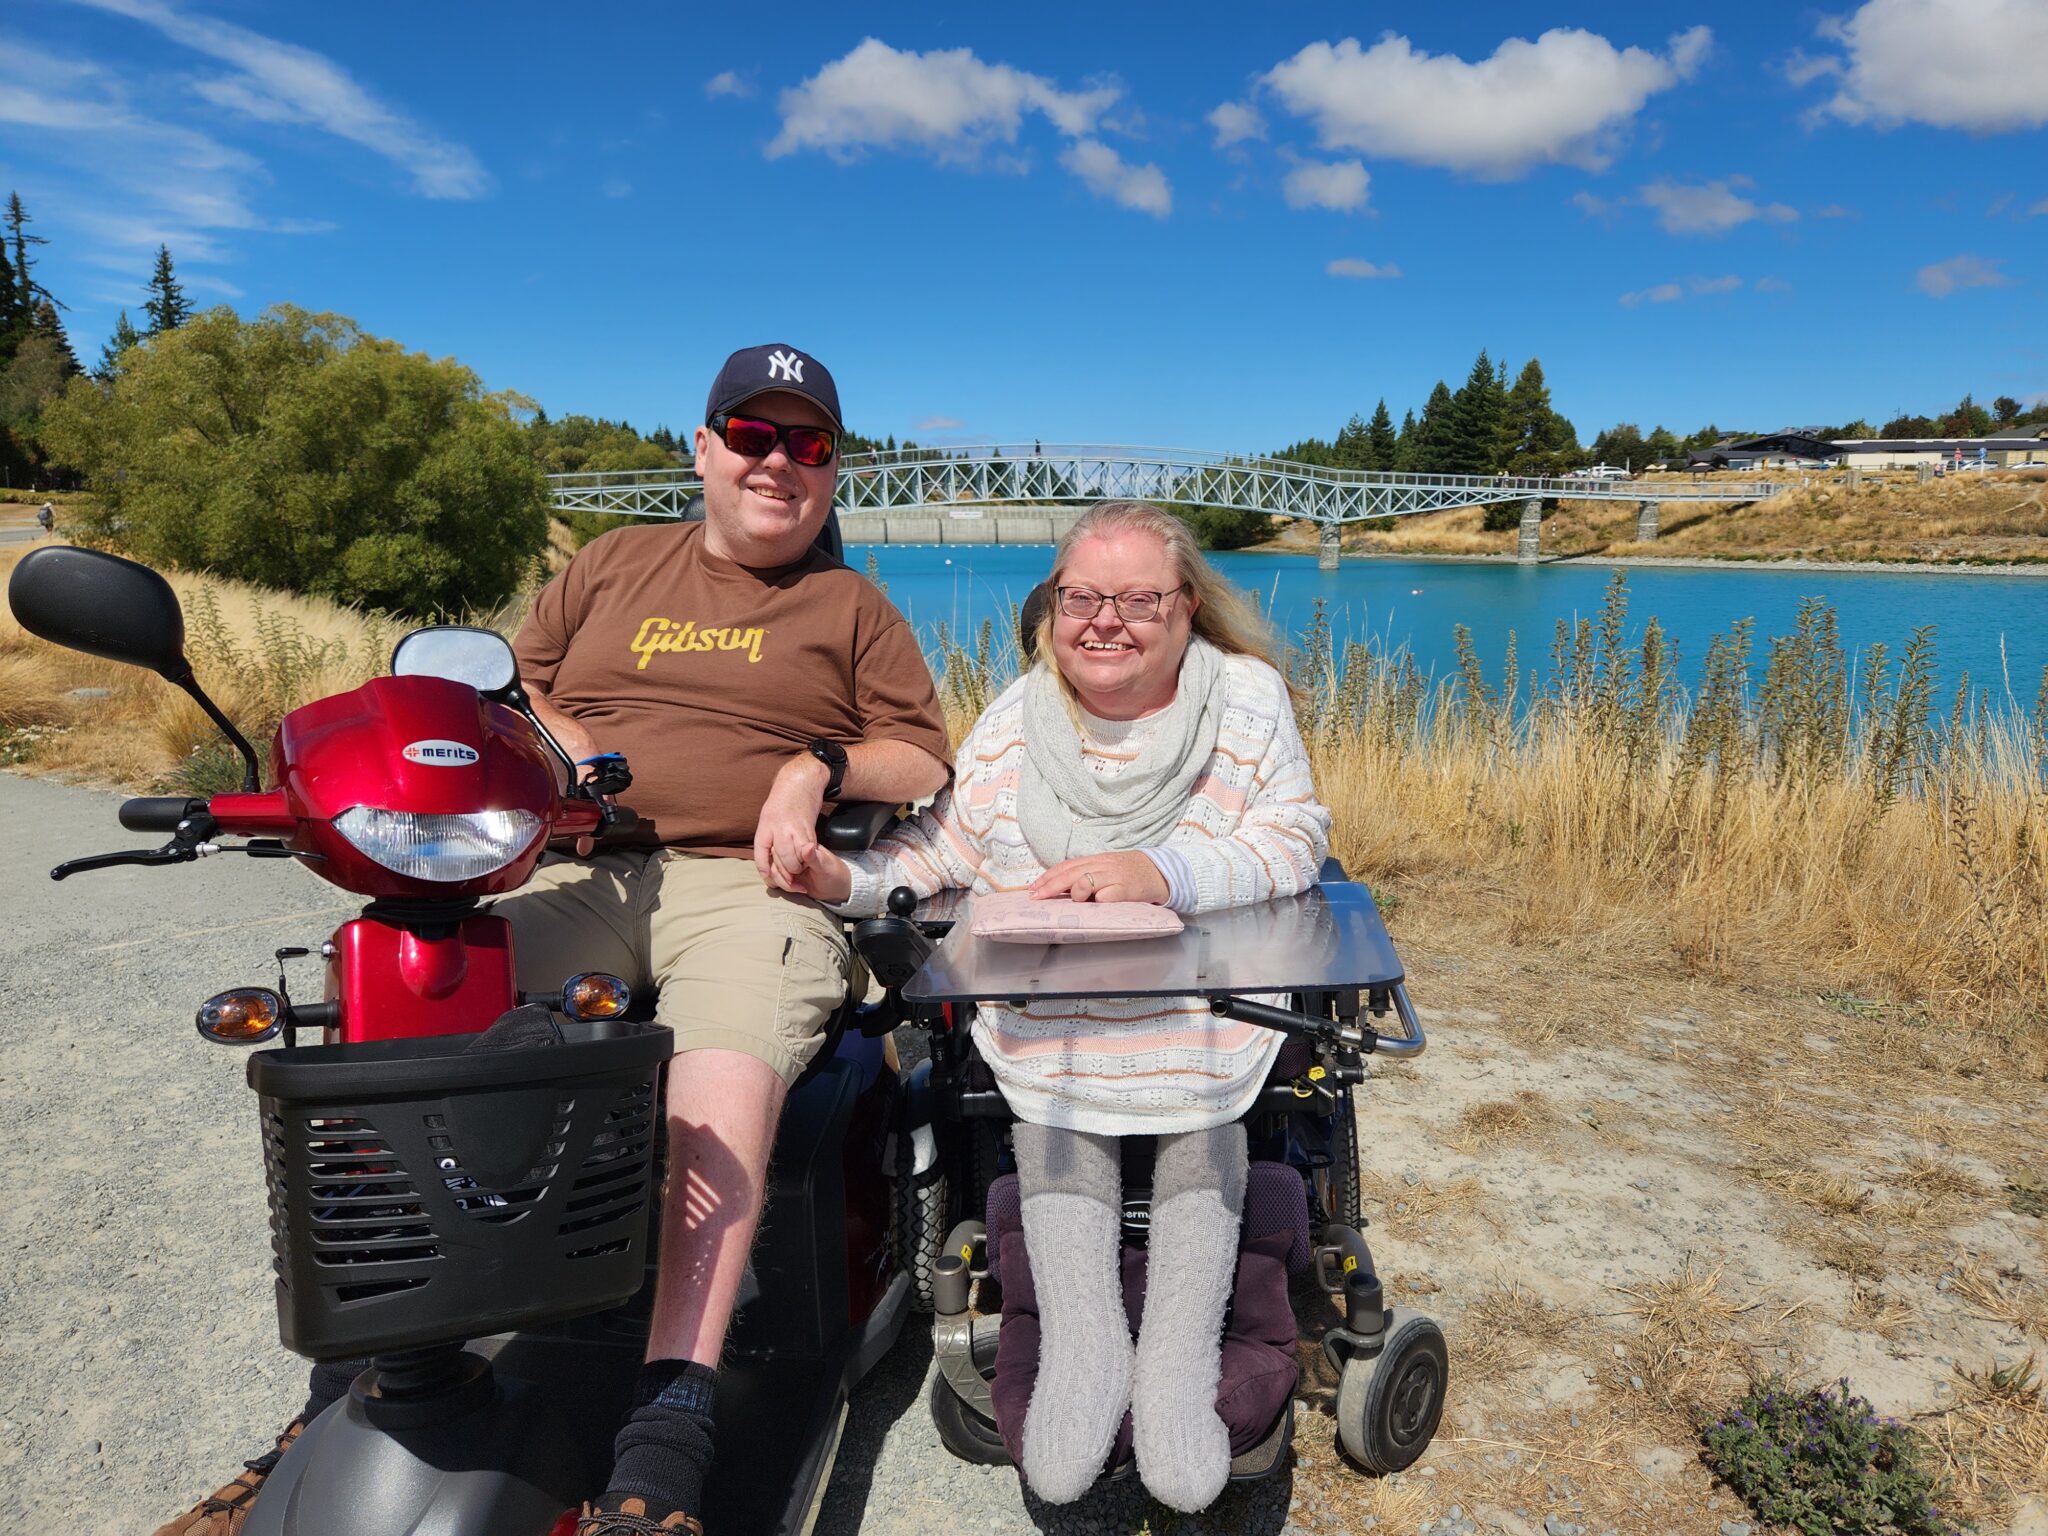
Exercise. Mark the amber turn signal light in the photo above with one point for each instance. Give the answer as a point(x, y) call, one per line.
point(594, 995)
point(245, 1016)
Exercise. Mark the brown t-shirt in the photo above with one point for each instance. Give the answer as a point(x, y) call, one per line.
point(710, 676)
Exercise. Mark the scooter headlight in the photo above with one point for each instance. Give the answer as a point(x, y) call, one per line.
point(446, 848)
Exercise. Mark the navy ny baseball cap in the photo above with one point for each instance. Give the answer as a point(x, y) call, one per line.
point(754, 371)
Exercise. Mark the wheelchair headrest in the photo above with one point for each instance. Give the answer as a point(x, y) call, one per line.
point(828, 538)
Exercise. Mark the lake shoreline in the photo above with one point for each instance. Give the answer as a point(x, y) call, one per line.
point(1689, 562)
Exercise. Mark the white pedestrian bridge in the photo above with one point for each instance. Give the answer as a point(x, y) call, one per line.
point(922, 489)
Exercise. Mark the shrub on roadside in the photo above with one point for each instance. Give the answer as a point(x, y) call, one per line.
point(1821, 1462)
point(296, 452)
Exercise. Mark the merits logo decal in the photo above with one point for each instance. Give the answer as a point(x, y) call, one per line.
point(786, 365)
point(440, 754)
point(667, 635)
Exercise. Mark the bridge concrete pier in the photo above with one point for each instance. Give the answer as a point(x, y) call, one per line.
point(1529, 546)
point(1646, 521)
point(1326, 547)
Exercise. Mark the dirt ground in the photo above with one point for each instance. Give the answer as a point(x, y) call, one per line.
point(1621, 1194)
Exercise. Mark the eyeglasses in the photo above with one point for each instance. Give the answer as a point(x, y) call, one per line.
point(752, 437)
point(1131, 607)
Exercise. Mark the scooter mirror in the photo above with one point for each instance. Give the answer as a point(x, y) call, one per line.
point(478, 657)
point(102, 605)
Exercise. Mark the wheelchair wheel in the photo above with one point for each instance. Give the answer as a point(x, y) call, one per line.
point(1389, 1404)
point(917, 1220)
point(963, 1431)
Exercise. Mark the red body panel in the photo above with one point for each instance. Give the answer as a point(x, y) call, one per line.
point(394, 983)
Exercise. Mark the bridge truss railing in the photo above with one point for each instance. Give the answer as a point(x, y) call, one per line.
point(913, 480)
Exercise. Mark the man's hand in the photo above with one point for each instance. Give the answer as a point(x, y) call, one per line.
point(824, 877)
point(1103, 877)
point(787, 834)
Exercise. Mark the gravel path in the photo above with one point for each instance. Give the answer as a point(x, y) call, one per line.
point(139, 1361)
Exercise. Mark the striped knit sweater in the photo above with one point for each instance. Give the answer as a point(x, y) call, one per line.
point(1253, 830)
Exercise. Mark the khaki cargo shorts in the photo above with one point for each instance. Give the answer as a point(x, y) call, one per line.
point(739, 967)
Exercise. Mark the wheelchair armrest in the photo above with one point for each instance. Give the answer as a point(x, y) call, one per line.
point(854, 826)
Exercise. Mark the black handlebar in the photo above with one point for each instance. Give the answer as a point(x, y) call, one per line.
point(170, 855)
point(158, 813)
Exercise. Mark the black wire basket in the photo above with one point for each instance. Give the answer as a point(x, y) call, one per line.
point(423, 1193)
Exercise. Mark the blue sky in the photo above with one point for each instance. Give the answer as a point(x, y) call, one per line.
point(1212, 226)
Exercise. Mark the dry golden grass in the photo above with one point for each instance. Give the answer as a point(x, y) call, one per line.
point(1997, 516)
point(1506, 1326)
point(1426, 1207)
point(1692, 1353)
point(2003, 1298)
point(1993, 1441)
point(1832, 1194)
point(1523, 1119)
point(1870, 1310)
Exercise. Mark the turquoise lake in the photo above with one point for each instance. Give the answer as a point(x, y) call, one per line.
point(1994, 627)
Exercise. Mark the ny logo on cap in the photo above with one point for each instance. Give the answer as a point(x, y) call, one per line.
point(786, 365)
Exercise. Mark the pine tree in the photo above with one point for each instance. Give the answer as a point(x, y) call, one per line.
point(16, 318)
point(18, 221)
point(1379, 439)
point(1471, 440)
point(126, 336)
point(1541, 440)
point(1404, 445)
point(1353, 451)
point(167, 307)
point(47, 324)
point(1434, 435)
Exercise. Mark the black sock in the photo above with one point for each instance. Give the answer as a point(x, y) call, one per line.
point(664, 1449)
point(328, 1384)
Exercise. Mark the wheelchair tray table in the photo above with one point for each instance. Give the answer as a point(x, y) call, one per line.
point(1329, 938)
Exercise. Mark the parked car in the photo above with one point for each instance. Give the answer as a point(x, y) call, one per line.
point(1598, 472)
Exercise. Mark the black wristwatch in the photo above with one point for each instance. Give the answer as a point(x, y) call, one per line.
point(833, 756)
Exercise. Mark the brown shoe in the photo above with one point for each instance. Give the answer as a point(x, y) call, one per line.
point(632, 1519)
point(223, 1512)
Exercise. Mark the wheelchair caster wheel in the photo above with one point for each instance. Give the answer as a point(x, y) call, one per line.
point(965, 1432)
point(1389, 1404)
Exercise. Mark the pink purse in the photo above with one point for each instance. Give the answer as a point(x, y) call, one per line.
point(1012, 917)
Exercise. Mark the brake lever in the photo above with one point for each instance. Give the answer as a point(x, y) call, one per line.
point(170, 853)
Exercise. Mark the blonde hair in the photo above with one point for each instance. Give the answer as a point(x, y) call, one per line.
point(1223, 616)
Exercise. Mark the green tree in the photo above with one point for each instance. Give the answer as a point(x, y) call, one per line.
point(167, 306)
point(1353, 449)
point(1541, 441)
point(1968, 419)
point(1621, 445)
point(125, 336)
point(1660, 445)
point(1430, 446)
point(17, 318)
point(1405, 444)
point(2005, 411)
point(1471, 441)
point(1859, 428)
point(1380, 441)
point(296, 451)
point(1903, 426)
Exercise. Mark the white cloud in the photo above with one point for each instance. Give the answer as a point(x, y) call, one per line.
point(1834, 211)
point(616, 186)
point(1802, 68)
point(1728, 284)
point(1709, 208)
point(1663, 293)
point(2038, 209)
point(1940, 279)
point(276, 82)
point(937, 424)
point(1352, 266)
point(1772, 285)
point(947, 104)
point(952, 107)
point(726, 83)
point(1236, 121)
point(1563, 97)
point(1971, 64)
point(1103, 170)
point(1342, 187)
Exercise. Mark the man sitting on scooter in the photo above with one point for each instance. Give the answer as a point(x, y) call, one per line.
point(748, 679)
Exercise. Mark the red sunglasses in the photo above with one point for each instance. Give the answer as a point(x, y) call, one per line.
point(752, 437)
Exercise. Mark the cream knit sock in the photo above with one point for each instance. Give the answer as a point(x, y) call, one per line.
point(1071, 1186)
point(1183, 1447)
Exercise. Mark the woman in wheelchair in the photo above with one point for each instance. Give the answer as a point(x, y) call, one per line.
point(1149, 755)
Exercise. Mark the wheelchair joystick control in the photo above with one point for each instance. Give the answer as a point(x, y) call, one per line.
point(949, 1286)
point(902, 901)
